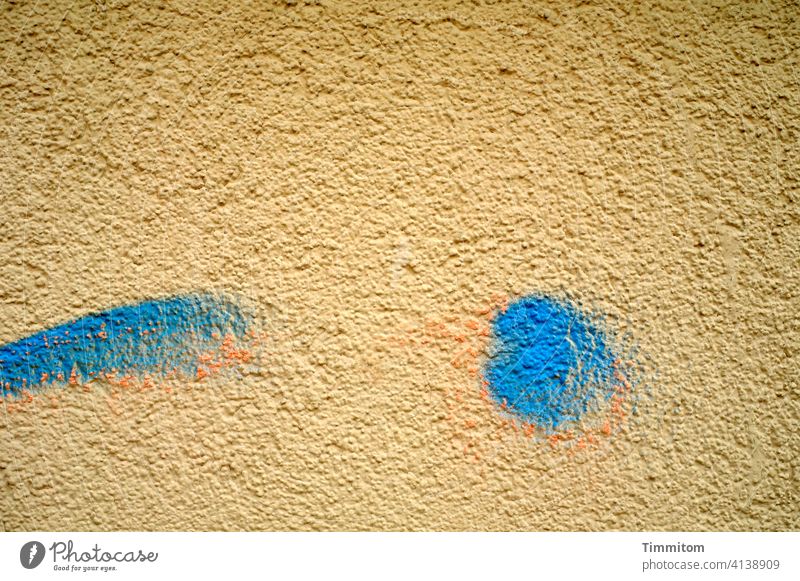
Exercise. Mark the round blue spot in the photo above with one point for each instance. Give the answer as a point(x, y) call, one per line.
point(550, 362)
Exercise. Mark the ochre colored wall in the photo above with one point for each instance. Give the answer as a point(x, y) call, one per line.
point(373, 178)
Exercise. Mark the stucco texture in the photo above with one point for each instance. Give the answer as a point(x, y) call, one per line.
point(378, 180)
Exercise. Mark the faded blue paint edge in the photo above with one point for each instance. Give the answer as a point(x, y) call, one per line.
point(153, 337)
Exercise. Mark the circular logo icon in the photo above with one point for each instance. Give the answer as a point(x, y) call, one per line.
point(31, 554)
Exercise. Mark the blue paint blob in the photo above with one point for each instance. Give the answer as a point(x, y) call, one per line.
point(148, 338)
point(550, 364)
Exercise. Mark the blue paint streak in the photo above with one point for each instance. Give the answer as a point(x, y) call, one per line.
point(551, 363)
point(147, 338)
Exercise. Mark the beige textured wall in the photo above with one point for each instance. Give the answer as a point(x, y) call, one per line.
point(372, 176)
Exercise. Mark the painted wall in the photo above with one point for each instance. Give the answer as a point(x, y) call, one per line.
point(344, 223)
